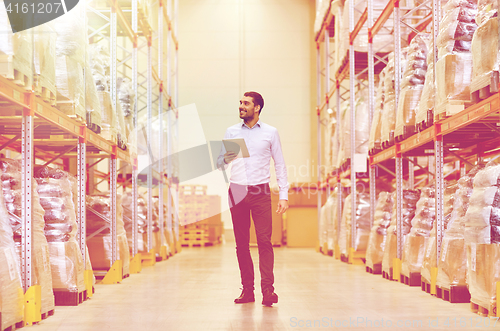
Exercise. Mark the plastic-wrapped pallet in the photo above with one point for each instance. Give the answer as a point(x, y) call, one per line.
point(16, 51)
point(453, 264)
point(426, 103)
point(44, 79)
point(331, 228)
point(70, 61)
point(410, 199)
point(383, 43)
point(12, 195)
point(388, 126)
point(11, 291)
point(141, 218)
point(412, 85)
point(321, 12)
point(362, 127)
point(422, 223)
point(325, 221)
point(56, 190)
point(454, 65)
point(100, 244)
point(126, 97)
point(161, 237)
point(331, 145)
point(375, 143)
point(378, 233)
point(482, 237)
point(92, 104)
point(484, 44)
point(362, 224)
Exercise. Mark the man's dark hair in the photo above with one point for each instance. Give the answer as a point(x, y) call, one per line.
point(257, 99)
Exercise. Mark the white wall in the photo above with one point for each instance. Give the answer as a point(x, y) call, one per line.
point(228, 47)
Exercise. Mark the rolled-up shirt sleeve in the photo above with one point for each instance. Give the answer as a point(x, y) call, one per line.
point(221, 165)
point(279, 165)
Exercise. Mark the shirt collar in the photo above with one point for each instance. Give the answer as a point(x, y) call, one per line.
point(258, 123)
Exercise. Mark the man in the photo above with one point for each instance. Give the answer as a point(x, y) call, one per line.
point(249, 192)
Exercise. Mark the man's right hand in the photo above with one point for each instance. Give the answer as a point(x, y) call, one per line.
point(229, 156)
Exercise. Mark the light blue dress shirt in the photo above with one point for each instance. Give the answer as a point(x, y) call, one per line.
point(263, 142)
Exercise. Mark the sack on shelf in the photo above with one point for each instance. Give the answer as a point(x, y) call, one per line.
point(429, 89)
point(484, 45)
point(412, 84)
point(16, 51)
point(378, 232)
point(422, 223)
point(12, 194)
point(410, 199)
point(454, 66)
point(362, 224)
point(11, 291)
point(482, 237)
point(100, 245)
point(453, 262)
point(45, 62)
point(57, 191)
point(375, 142)
point(388, 126)
point(126, 97)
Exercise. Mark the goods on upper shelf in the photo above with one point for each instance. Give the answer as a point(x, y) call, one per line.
point(410, 199)
point(375, 142)
point(16, 52)
point(378, 233)
point(12, 195)
point(362, 224)
point(70, 61)
point(58, 194)
point(99, 237)
point(426, 104)
point(387, 129)
point(452, 266)
point(411, 86)
point(44, 64)
point(332, 148)
point(126, 98)
point(482, 235)
point(11, 291)
point(484, 45)
point(362, 127)
point(422, 223)
point(454, 65)
point(322, 10)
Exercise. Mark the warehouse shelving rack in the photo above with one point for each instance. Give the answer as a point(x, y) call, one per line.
point(31, 121)
point(470, 133)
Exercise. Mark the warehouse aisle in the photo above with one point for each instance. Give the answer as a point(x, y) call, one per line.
point(194, 290)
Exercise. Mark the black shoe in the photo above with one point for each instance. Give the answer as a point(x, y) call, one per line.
point(246, 296)
point(269, 297)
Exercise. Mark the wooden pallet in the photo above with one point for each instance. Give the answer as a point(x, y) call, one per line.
point(8, 70)
point(413, 280)
point(425, 286)
point(423, 125)
point(13, 327)
point(377, 269)
point(450, 108)
point(482, 311)
point(388, 276)
point(46, 92)
point(78, 118)
point(69, 298)
point(488, 88)
point(456, 294)
point(408, 131)
point(388, 143)
point(47, 314)
point(200, 243)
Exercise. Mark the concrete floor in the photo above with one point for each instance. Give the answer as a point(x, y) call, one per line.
point(195, 289)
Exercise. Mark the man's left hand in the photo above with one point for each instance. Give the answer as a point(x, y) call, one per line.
point(282, 206)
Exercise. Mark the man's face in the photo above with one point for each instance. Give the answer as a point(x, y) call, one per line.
point(248, 110)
